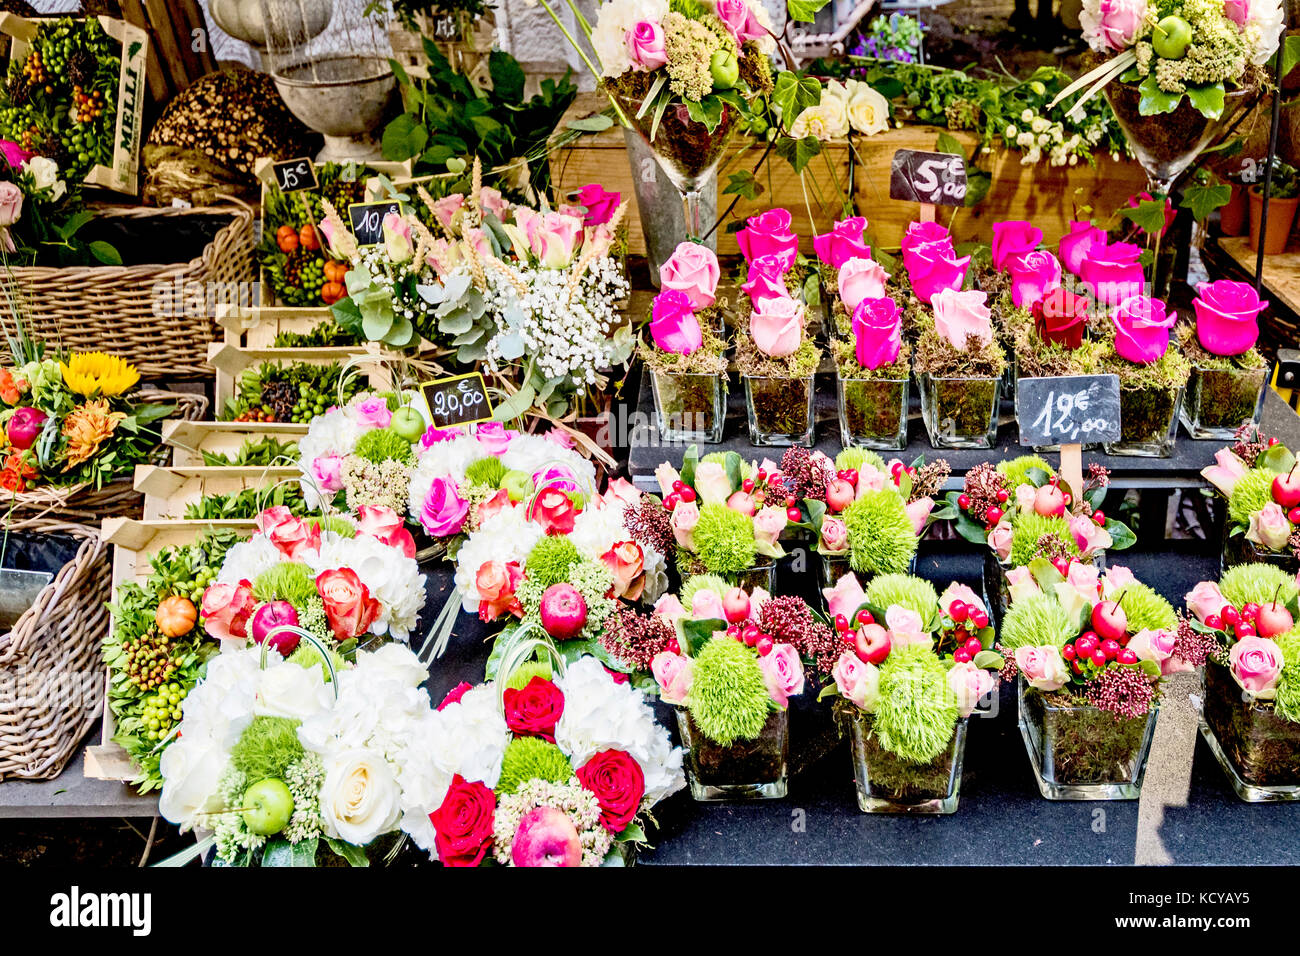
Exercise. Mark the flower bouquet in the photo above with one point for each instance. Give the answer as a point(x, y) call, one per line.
point(296, 762)
point(550, 765)
point(686, 355)
point(1228, 372)
point(1257, 477)
point(1090, 651)
point(1151, 377)
point(916, 667)
point(1250, 714)
point(1022, 510)
point(41, 214)
point(774, 355)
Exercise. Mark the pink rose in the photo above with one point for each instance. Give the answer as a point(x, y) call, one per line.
point(769, 234)
point(1021, 583)
point(706, 605)
point(1088, 535)
point(776, 326)
point(969, 684)
point(386, 525)
point(870, 478)
point(645, 46)
point(398, 245)
point(444, 511)
point(443, 257)
point(1000, 540)
point(1115, 25)
point(1227, 316)
point(712, 483)
point(1256, 664)
point(25, 425)
point(373, 412)
point(673, 673)
point(1083, 578)
point(1158, 647)
point(856, 680)
point(963, 593)
point(1137, 199)
point(931, 274)
point(11, 208)
point(497, 205)
point(328, 472)
point(1042, 667)
point(692, 269)
point(14, 155)
point(1205, 599)
point(1076, 245)
point(556, 476)
point(739, 20)
point(1142, 329)
point(673, 325)
point(553, 238)
point(960, 317)
point(226, 610)
point(1226, 471)
point(293, 537)
point(782, 672)
point(1270, 527)
point(768, 525)
point(685, 517)
point(905, 626)
point(919, 512)
point(1113, 272)
point(1117, 580)
point(846, 597)
point(1026, 495)
point(1033, 275)
point(765, 279)
point(861, 279)
point(1012, 239)
point(926, 239)
point(446, 208)
point(600, 205)
point(834, 538)
point(494, 437)
point(669, 607)
point(845, 241)
point(877, 332)
point(1238, 11)
point(559, 437)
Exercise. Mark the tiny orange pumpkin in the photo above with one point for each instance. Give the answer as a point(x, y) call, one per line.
point(176, 616)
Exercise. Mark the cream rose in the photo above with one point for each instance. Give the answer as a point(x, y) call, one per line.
point(360, 798)
point(868, 110)
point(191, 770)
point(287, 690)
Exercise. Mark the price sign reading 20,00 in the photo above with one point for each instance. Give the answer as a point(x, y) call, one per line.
point(460, 400)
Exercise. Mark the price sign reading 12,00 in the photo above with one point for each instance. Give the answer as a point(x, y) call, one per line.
point(1068, 409)
point(459, 400)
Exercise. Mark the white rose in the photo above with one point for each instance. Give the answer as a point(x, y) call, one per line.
point(393, 662)
point(360, 798)
point(190, 770)
point(45, 175)
point(835, 109)
point(287, 690)
point(868, 110)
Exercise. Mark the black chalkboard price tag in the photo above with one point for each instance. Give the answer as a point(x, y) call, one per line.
point(295, 175)
point(367, 220)
point(1068, 409)
point(932, 179)
point(459, 400)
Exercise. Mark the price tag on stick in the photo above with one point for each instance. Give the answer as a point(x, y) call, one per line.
point(295, 175)
point(931, 179)
point(367, 220)
point(1068, 410)
point(459, 400)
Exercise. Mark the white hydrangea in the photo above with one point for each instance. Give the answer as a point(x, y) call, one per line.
point(246, 560)
point(506, 536)
point(379, 708)
point(391, 577)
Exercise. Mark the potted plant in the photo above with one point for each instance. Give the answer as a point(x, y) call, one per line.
point(1228, 372)
point(1151, 377)
point(1257, 475)
point(776, 359)
point(1250, 712)
point(1284, 196)
point(915, 668)
point(872, 370)
point(1234, 216)
point(686, 356)
point(1089, 651)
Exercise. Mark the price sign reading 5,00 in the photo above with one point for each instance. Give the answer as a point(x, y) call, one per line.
point(1068, 410)
point(460, 400)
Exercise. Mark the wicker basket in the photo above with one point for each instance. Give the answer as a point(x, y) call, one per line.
point(51, 677)
point(143, 312)
point(84, 502)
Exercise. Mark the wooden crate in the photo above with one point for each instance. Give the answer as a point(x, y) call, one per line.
point(189, 440)
point(169, 491)
point(231, 360)
point(257, 328)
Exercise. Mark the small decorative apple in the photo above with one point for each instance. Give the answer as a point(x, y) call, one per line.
point(407, 424)
point(1049, 501)
point(743, 503)
point(839, 494)
point(1171, 38)
point(1109, 620)
point(563, 611)
point(272, 615)
point(268, 805)
point(872, 643)
point(546, 837)
point(735, 606)
point(1286, 489)
point(1273, 619)
point(518, 484)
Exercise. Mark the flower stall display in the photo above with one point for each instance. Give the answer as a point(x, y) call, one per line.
point(1250, 712)
point(288, 392)
point(1228, 371)
point(686, 352)
point(1090, 650)
point(297, 761)
point(42, 215)
point(1257, 475)
point(1152, 377)
point(776, 357)
point(916, 667)
point(1022, 510)
point(549, 765)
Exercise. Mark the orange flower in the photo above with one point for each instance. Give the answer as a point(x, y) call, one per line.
point(10, 388)
point(15, 474)
point(86, 428)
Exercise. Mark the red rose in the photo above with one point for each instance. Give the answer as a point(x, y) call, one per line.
point(349, 608)
point(616, 780)
point(1060, 316)
point(496, 583)
point(463, 823)
point(456, 693)
point(618, 676)
point(535, 710)
point(554, 510)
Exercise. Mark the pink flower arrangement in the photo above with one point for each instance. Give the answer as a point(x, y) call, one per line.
point(960, 317)
point(877, 332)
point(845, 241)
point(1077, 244)
point(924, 238)
point(769, 234)
point(1142, 329)
point(673, 325)
point(1227, 316)
point(1113, 273)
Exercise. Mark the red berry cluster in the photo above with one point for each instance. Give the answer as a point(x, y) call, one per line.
point(751, 635)
point(1252, 620)
point(985, 494)
point(961, 625)
point(682, 492)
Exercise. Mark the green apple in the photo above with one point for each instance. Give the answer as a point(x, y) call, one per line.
point(268, 806)
point(407, 423)
point(725, 70)
point(518, 485)
point(1171, 38)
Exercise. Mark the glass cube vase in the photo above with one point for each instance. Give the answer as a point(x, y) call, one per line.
point(1148, 423)
point(1082, 752)
point(689, 408)
point(1238, 549)
point(779, 410)
point(742, 770)
point(872, 412)
point(997, 588)
point(960, 412)
point(1257, 749)
point(1219, 401)
point(886, 783)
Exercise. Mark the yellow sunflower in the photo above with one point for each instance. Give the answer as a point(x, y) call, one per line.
point(90, 373)
point(86, 428)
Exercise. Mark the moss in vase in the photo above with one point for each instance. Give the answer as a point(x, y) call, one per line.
point(728, 699)
point(1223, 391)
point(871, 399)
point(1148, 394)
point(881, 538)
point(1258, 738)
point(892, 777)
point(1038, 359)
point(1086, 745)
point(781, 406)
point(709, 359)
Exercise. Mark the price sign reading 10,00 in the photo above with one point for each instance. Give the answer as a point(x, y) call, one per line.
point(459, 400)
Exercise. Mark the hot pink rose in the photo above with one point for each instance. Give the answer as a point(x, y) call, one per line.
point(856, 680)
point(1076, 245)
point(846, 597)
point(1158, 647)
point(1115, 24)
point(14, 155)
point(692, 269)
point(373, 412)
point(766, 279)
point(877, 332)
point(226, 610)
point(444, 511)
point(1113, 272)
point(600, 205)
point(1142, 329)
point(673, 325)
point(494, 437)
point(328, 472)
point(1269, 527)
point(962, 319)
point(769, 522)
point(384, 524)
point(1256, 664)
point(776, 326)
point(1205, 599)
point(1042, 667)
point(1000, 540)
point(924, 237)
point(1013, 238)
point(25, 424)
point(673, 673)
point(685, 517)
point(739, 20)
point(645, 45)
point(969, 684)
point(834, 538)
point(769, 234)
point(1033, 275)
point(861, 279)
point(1227, 316)
point(845, 241)
point(935, 270)
point(782, 672)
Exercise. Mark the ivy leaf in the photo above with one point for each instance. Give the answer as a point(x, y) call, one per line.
point(798, 152)
point(793, 94)
point(707, 111)
point(1148, 215)
point(507, 77)
point(1290, 54)
point(404, 138)
point(743, 184)
point(1207, 99)
point(1155, 100)
point(804, 10)
point(1202, 200)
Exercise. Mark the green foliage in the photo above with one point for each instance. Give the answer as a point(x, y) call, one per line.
point(1287, 702)
point(724, 540)
point(715, 458)
point(259, 452)
point(486, 471)
point(1016, 470)
point(881, 539)
point(339, 525)
point(916, 712)
point(551, 559)
point(1036, 620)
point(915, 594)
point(1028, 528)
point(266, 748)
point(290, 581)
point(532, 758)
point(1257, 584)
point(855, 457)
point(307, 656)
point(380, 445)
point(1146, 610)
point(728, 699)
point(1252, 492)
point(701, 582)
